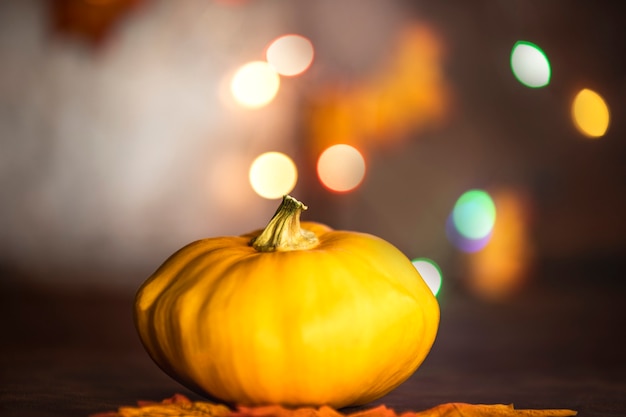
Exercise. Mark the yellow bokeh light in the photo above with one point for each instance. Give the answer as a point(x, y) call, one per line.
point(290, 55)
point(255, 84)
point(590, 113)
point(341, 168)
point(273, 174)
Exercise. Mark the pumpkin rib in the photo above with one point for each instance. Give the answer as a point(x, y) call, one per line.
point(241, 372)
point(282, 275)
point(368, 260)
point(350, 282)
point(427, 332)
point(176, 283)
point(225, 275)
point(194, 282)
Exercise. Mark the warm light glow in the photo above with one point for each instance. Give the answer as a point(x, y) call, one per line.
point(98, 2)
point(430, 272)
point(232, 2)
point(530, 65)
point(404, 94)
point(501, 267)
point(273, 174)
point(255, 84)
point(228, 180)
point(341, 168)
point(290, 55)
point(590, 113)
point(474, 214)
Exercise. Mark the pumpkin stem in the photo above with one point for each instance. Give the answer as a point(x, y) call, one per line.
point(283, 232)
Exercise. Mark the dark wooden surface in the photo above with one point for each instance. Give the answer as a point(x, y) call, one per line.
point(558, 344)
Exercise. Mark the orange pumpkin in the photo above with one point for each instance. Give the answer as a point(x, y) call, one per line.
point(297, 314)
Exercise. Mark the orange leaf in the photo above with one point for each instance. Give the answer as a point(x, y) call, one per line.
point(481, 410)
point(181, 406)
point(177, 406)
point(380, 411)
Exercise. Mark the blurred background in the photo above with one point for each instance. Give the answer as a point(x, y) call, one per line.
point(485, 139)
point(132, 127)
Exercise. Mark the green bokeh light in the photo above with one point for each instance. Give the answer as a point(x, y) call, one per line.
point(474, 214)
point(530, 65)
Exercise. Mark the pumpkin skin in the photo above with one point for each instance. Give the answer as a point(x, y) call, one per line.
point(340, 323)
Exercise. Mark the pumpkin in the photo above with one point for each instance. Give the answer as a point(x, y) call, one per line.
point(297, 314)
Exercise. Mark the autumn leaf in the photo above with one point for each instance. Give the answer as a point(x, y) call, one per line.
point(181, 406)
point(479, 410)
point(177, 406)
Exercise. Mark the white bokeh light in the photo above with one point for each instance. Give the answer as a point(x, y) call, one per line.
point(530, 65)
point(273, 174)
point(255, 84)
point(290, 55)
point(430, 273)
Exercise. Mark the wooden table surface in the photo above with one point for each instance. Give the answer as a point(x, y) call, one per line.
point(561, 343)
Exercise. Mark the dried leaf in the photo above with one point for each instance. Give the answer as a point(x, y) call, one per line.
point(380, 411)
point(181, 406)
point(177, 406)
point(481, 410)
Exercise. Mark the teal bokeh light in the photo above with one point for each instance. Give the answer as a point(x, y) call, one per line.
point(530, 65)
point(474, 214)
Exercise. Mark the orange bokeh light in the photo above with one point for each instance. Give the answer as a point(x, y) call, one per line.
point(501, 267)
point(341, 168)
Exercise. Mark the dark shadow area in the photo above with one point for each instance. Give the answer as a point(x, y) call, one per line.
point(557, 344)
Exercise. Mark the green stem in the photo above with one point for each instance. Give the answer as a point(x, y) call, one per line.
point(283, 232)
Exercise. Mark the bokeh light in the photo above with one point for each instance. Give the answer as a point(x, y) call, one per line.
point(430, 272)
point(590, 113)
point(501, 268)
point(290, 55)
point(255, 84)
point(273, 174)
point(474, 214)
point(341, 168)
point(530, 65)
point(463, 243)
